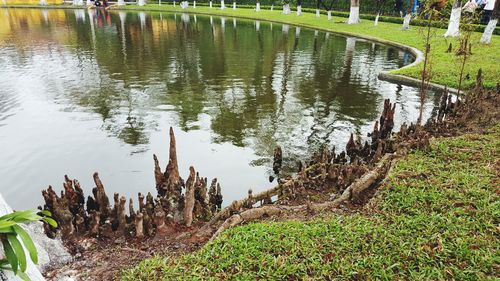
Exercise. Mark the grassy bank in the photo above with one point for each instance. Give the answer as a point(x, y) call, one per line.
point(445, 67)
point(435, 217)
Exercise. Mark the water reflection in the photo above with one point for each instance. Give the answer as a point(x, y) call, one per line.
point(110, 84)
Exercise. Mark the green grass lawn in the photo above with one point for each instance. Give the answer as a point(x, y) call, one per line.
point(435, 217)
point(445, 66)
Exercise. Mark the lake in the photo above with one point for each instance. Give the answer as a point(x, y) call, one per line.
point(84, 91)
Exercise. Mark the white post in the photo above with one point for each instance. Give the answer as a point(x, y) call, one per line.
point(123, 18)
point(285, 28)
point(329, 14)
point(272, 7)
point(299, 10)
point(80, 15)
point(286, 9)
point(222, 5)
point(297, 31)
point(350, 47)
point(142, 18)
point(194, 4)
point(257, 25)
point(234, 23)
point(174, 3)
point(210, 4)
point(376, 19)
point(454, 23)
point(257, 8)
point(354, 12)
point(45, 14)
point(488, 31)
point(317, 13)
point(406, 21)
point(234, 5)
point(92, 28)
point(141, 2)
point(120, 2)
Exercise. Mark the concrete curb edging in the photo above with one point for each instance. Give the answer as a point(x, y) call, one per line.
point(410, 81)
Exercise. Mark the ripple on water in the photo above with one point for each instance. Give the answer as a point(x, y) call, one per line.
point(8, 104)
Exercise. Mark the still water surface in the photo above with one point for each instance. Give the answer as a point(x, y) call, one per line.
point(84, 91)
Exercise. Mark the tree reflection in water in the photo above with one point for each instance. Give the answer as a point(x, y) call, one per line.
point(253, 85)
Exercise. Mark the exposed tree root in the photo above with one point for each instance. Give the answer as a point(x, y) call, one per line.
point(353, 193)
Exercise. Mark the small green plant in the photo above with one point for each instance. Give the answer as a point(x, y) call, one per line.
point(465, 49)
point(430, 14)
point(11, 236)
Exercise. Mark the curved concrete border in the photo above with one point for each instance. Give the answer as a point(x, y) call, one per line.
point(383, 75)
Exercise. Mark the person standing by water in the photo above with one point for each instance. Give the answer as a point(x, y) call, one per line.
point(470, 7)
point(398, 7)
point(104, 4)
point(487, 11)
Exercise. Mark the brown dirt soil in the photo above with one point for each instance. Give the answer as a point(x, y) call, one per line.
point(104, 258)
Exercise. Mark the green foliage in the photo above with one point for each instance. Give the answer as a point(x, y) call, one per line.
point(465, 46)
point(435, 218)
point(11, 236)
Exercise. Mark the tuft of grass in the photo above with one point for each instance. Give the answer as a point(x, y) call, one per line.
point(436, 218)
point(445, 66)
